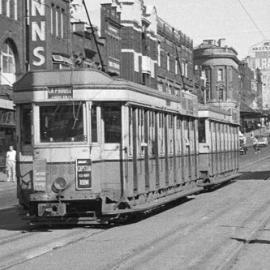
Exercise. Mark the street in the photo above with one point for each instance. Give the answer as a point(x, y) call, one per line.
point(212, 230)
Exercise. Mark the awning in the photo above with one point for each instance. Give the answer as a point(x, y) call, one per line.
point(6, 104)
point(61, 59)
point(245, 110)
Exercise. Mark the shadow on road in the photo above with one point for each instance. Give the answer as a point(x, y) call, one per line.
point(259, 175)
point(254, 241)
point(12, 219)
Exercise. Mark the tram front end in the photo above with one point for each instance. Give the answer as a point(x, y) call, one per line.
point(55, 164)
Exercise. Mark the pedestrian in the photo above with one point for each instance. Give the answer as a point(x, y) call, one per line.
point(255, 145)
point(11, 164)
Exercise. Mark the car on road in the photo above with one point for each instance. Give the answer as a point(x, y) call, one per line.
point(262, 141)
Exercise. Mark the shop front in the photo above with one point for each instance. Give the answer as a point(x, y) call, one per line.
point(7, 130)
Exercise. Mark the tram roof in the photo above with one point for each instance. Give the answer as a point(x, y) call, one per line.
point(36, 81)
point(81, 78)
point(216, 113)
point(63, 78)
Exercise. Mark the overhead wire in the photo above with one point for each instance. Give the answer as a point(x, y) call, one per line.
point(252, 20)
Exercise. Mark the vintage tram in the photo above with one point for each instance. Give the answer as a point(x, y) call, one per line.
point(92, 148)
point(218, 145)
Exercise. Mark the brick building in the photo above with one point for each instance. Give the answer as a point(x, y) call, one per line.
point(147, 49)
point(12, 66)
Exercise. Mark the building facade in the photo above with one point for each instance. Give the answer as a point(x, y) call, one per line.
point(219, 65)
point(259, 58)
point(146, 49)
point(247, 84)
point(12, 66)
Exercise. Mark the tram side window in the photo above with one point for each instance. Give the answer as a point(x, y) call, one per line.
point(201, 131)
point(26, 138)
point(61, 123)
point(111, 115)
point(94, 123)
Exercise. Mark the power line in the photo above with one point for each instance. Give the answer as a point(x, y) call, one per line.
point(250, 17)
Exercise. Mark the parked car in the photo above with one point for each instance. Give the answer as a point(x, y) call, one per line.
point(262, 141)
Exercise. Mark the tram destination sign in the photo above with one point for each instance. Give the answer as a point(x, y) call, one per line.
point(84, 171)
point(60, 93)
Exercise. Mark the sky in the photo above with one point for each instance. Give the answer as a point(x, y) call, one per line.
point(242, 23)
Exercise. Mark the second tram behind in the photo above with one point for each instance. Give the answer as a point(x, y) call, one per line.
point(92, 148)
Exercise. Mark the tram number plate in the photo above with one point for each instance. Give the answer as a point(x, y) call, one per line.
point(84, 172)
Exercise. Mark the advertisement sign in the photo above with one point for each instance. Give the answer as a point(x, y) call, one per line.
point(39, 174)
point(37, 35)
point(84, 173)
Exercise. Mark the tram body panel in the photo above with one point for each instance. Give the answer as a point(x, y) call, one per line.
point(218, 159)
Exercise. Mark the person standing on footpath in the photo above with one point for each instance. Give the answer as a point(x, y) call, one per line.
point(11, 164)
point(255, 145)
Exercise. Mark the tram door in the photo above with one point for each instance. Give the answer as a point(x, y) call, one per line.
point(24, 147)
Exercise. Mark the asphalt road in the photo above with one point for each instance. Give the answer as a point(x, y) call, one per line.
point(202, 232)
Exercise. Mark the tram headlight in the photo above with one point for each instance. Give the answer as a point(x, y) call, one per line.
point(59, 184)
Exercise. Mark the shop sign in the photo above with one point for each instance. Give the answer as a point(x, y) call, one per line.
point(37, 12)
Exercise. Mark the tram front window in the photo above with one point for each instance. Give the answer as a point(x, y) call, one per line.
point(61, 123)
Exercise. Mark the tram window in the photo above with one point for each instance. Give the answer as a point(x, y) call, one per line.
point(201, 131)
point(94, 123)
point(26, 124)
point(111, 115)
point(61, 123)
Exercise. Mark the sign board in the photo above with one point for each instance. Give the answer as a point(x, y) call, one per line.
point(84, 173)
point(60, 93)
point(39, 174)
point(37, 36)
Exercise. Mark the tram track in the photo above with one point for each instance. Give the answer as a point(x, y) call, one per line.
point(20, 253)
point(143, 254)
point(40, 248)
point(182, 231)
point(222, 255)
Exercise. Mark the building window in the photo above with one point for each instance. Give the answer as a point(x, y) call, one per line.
point(168, 62)
point(220, 75)
point(8, 66)
point(221, 94)
point(8, 8)
point(158, 49)
point(62, 24)
point(52, 25)
point(11, 9)
point(176, 66)
point(57, 22)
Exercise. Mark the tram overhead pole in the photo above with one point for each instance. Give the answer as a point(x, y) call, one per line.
point(94, 35)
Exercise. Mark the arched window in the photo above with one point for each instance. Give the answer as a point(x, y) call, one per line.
point(8, 65)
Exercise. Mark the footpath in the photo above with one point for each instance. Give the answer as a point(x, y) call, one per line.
point(4, 185)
